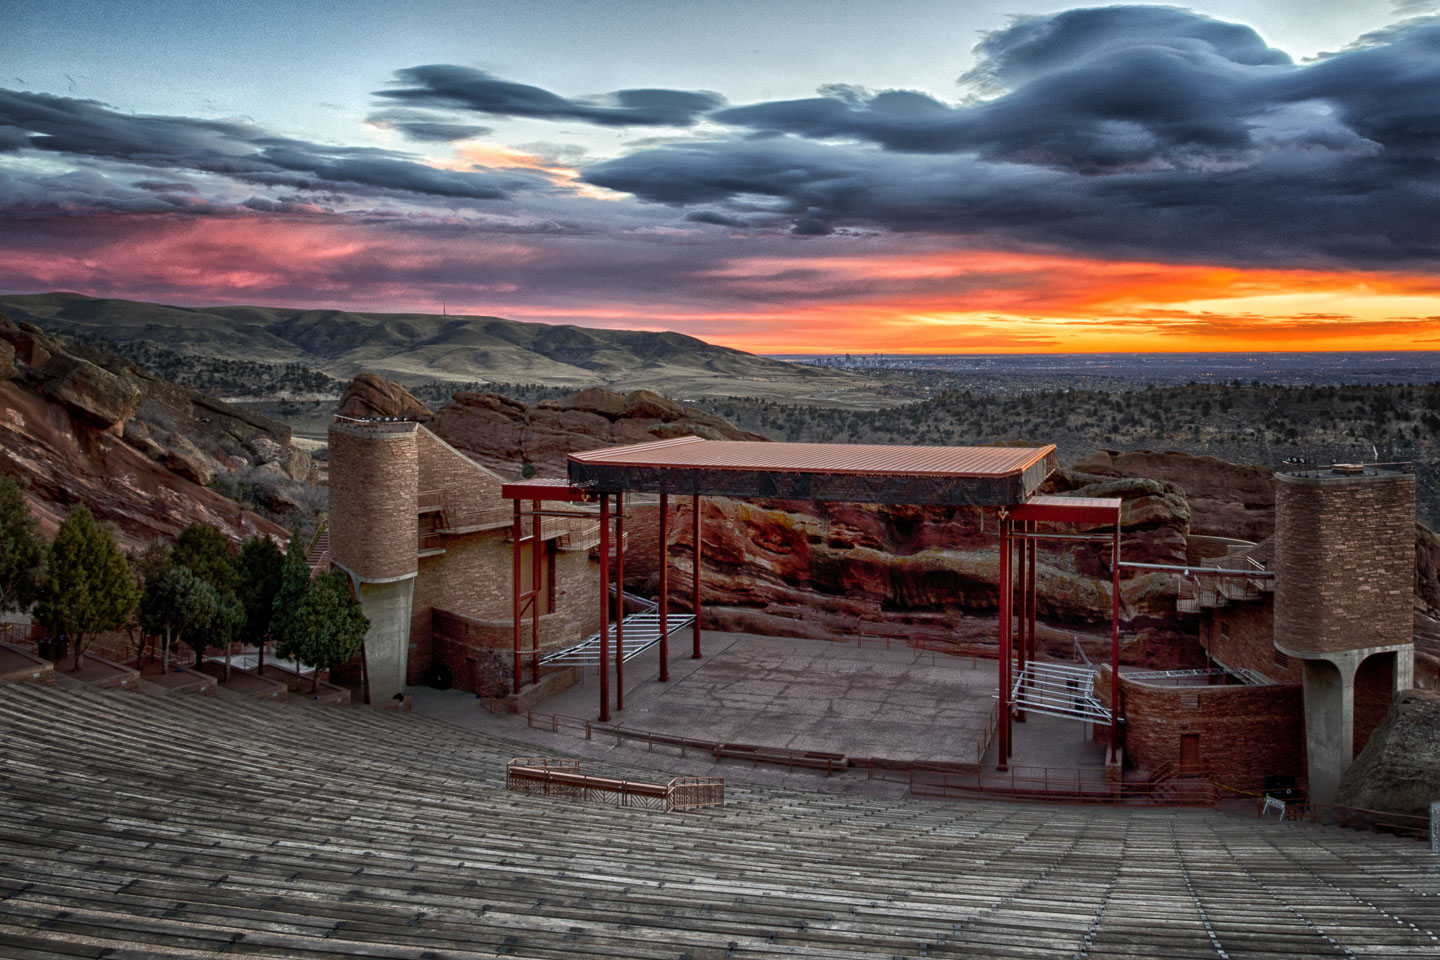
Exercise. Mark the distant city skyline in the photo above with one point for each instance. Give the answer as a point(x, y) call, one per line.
point(787, 178)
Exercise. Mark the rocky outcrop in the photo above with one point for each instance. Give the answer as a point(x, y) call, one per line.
point(506, 435)
point(79, 425)
point(60, 461)
point(369, 395)
point(98, 394)
point(929, 573)
point(1225, 499)
point(1399, 769)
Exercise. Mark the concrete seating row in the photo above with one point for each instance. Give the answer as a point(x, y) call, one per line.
point(134, 827)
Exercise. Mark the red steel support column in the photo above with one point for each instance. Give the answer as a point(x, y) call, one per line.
point(695, 551)
point(1030, 592)
point(535, 547)
point(1022, 581)
point(1115, 643)
point(517, 531)
point(1003, 751)
point(664, 587)
point(604, 607)
point(619, 601)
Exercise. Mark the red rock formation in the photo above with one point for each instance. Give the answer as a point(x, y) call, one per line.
point(62, 459)
point(1225, 499)
point(369, 395)
point(505, 435)
point(78, 425)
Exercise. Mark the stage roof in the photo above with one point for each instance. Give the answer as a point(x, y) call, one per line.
point(862, 473)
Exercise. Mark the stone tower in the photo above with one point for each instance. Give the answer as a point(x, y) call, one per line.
point(374, 483)
point(1344, 576)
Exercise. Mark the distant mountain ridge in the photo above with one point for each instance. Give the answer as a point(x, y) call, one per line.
point(414, 347)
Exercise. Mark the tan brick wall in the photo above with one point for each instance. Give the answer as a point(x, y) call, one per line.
point(373, 482)
point(1243, 636)
point(378, 477)
point(1344, 561)
point(1246, 733)
point(472, 578)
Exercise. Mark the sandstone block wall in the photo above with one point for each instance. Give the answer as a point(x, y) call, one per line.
point(1344, 561)
point(1246, 733)
point(1243, 636)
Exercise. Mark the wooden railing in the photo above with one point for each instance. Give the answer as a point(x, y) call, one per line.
point(560, 777)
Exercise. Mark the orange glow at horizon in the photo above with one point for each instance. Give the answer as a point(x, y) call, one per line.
point(836, 298)
point(1038, 303)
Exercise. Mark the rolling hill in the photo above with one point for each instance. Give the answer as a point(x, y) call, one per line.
point(414, 348)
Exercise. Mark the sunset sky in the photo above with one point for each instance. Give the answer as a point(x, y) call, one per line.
point(917, 176)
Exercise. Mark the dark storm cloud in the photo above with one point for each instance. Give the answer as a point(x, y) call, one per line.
point(1088, 90)
point(1132, 131)
point(243, 152)
point(446, 85)
point(715, 219)
point(422, 127)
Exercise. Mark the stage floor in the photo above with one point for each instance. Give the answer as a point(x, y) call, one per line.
point(836, 697)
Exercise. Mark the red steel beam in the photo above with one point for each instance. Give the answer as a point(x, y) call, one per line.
point(516, 532)
point(619, 601)
point(664, 587)
point(604, 607)
point(1021, 582)
point(1055, 509)
point(1003, 750)
point(695, 603)
point(535, 545)
point(1034, 600)
point(1115, 643)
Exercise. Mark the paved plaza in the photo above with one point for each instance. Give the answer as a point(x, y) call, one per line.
point(832, 696)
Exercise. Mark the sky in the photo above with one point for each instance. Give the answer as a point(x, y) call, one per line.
point(797, 177)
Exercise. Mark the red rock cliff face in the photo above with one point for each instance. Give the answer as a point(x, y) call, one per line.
point(69, 433)
point(821, 570)
point(506, 435)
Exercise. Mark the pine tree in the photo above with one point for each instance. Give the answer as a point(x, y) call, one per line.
point(89, 587)
point(22, 551)
point(262, 569)
point(173, 602)
point(325, 628)
point(208, 554)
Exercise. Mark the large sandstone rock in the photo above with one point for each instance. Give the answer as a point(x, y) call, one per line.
point(1225, 499)
point(505, 435)
point(8, 370)
point(188, 460)
point(62, 460)
point(89, 390)
point(929, 572)
point(1399, 769)
point(371, 396)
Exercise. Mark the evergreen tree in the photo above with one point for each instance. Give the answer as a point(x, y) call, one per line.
point(218, 624)
point(149, 565)
point(294, 581)
point(207, 552)
point(325, 628)
point(22, 550)
point(262, 569)
point(89, 587)
point(173, 602)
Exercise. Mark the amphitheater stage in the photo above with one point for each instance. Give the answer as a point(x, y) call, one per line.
point(858, 699)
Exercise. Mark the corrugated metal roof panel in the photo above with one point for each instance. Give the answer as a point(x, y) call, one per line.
point(829, 458)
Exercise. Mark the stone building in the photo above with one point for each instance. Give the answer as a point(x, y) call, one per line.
point(424, 536)
point(1307, 654)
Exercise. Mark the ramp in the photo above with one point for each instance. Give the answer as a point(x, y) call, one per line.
point(642, 631)
point(1059, 690)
